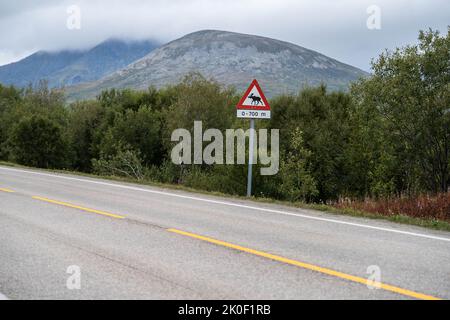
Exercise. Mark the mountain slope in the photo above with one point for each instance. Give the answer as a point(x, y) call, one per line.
point(232, 59)
point(65, 67)
point(39, 65)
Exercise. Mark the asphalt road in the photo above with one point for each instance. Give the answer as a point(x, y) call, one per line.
point(138, 242)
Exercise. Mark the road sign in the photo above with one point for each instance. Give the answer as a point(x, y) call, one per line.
point(253, 104)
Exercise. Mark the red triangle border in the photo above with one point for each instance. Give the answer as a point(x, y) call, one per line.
point(247, 92)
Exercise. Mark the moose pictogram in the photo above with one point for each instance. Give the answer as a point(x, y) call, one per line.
point(253, 104)
point(255, 99)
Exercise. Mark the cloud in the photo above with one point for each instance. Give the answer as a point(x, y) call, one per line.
point(336, 28)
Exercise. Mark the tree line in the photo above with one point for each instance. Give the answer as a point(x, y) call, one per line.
point(386, 136)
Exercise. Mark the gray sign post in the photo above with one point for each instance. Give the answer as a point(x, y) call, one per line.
point(250, 157)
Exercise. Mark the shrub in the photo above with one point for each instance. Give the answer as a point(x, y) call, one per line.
point(423, 206)
point(126, 162)
point(38, 142)
point(297, 183)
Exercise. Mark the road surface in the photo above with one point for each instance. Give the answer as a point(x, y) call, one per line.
point(73, 237)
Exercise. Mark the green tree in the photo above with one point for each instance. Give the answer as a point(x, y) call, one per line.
point(198, 99)
point(141, 130)
point(84, 118)
point(410, 89)
point(38, 142)
point(324, 121)
point(40, 100)
point(297, 183)
point(10, 98)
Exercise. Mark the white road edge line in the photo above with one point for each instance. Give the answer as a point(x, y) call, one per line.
point(3, 297)
point(421, 235)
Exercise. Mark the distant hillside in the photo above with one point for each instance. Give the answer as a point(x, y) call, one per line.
point(232, 59)
point(66, 67)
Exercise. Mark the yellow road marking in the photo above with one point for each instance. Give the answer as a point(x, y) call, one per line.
point(304, 265)
point(300, 264)
point(6, 190)
point(80, 208)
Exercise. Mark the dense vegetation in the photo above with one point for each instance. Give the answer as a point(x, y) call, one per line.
point(388, 136)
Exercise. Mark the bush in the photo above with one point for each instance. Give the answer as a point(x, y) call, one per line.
point(297, 183)
point(423, 206)
point(141, 130)
point(126, 162)
point(84, 118)
point(167, 172)
point(38, 142)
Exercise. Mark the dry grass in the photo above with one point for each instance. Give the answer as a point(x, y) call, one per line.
point(423, 206)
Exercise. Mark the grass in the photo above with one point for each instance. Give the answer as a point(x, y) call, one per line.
point(431, 223)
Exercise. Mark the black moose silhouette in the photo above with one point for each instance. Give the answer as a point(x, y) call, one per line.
point(255, 99)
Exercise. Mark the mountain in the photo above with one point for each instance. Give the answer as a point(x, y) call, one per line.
point(231, 59)
point(68, 67)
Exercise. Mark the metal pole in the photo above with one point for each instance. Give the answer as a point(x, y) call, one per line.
point(250, 158)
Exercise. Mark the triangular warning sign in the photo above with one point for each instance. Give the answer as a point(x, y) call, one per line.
point(253, 98)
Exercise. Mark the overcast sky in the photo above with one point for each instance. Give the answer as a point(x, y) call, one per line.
point(337, 28)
